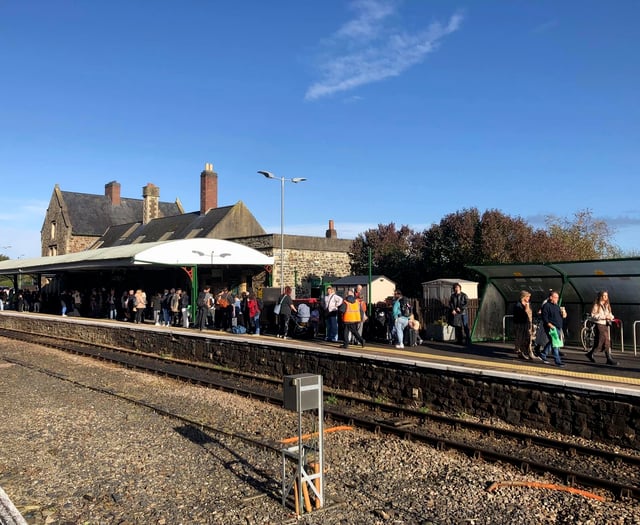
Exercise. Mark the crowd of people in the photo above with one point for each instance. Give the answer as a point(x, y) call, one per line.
point(549, 334)
point(238, 313)
point(22, 300)
point(243, 313)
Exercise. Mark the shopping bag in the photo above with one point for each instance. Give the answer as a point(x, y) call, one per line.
point(556, 340)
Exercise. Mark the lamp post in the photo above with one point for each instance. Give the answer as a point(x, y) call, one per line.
point(295, 180)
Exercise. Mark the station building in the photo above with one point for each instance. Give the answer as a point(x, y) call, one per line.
point(77, 222)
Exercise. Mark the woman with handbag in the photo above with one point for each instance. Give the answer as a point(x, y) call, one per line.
point(602, 316)
point(523, 326)
point(284, 307)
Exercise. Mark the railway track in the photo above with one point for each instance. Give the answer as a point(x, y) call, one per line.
point(575, 464)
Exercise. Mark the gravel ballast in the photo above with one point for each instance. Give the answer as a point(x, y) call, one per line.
point(73, 455)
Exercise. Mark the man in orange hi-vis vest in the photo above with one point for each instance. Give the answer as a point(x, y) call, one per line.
point(351, 317)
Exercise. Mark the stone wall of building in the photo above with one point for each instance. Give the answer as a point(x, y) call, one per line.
point(55, 233)
point(605, 416)
point(57, 236)
point(307, 259)
point(78, 243)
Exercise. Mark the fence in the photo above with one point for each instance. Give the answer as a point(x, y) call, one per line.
point(432, 311)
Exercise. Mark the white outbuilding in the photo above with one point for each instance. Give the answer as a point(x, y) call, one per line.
point(441, 289)
point(381, 287)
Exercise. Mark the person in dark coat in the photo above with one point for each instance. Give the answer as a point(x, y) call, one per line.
point(459, 317)
point(286, 308)
point(523, 326)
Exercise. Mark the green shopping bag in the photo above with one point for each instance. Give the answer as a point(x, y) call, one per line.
point(556, 341)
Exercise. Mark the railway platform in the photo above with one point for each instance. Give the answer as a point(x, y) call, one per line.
point(489, 359)
point(587, 399)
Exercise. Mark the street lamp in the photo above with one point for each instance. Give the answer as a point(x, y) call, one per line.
point(295, 180)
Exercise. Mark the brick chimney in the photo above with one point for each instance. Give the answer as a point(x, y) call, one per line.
point(208, 189)
point(331, 233)
point(112, 192)
point(150, 202)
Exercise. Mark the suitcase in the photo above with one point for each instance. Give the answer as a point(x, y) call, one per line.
point(410, 337)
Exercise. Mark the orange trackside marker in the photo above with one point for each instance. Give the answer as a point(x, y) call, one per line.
point(295, 496)
point(315, 434)
point(316, 469)
point(551, 486)
point(305, 495)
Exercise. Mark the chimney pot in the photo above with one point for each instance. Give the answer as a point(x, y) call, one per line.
point(150, 202)
point(208, 189)
point(112, 192)
point(331, 233)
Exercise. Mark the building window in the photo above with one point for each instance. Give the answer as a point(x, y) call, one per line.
point(193, 233)
point(165, 236)
point(53, 250)
point(53, 229)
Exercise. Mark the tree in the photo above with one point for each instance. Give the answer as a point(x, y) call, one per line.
point(451, 245)
point(466, 238)
point(4, 280)
point(394, 253)
point(582, 239)
point(505, 239)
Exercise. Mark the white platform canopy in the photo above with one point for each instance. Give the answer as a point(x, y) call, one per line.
point(184, 252)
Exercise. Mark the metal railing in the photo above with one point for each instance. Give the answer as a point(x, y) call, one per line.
point(504, 327)
point(635, 350)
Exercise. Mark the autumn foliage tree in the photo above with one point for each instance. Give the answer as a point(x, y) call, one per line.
point(395, 253)
point(582, 239)
point(467, 238)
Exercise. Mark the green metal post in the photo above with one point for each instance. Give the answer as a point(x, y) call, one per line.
point(369, 305)
point(194, 292)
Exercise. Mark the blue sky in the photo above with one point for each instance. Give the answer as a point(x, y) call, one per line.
point(395, 111)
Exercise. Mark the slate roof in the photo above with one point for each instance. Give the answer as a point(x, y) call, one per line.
point(94, 214)
point(185, 226)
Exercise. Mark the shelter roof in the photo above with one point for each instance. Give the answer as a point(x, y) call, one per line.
point(184, 252)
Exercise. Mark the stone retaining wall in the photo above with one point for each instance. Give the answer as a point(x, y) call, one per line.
point(608, 417)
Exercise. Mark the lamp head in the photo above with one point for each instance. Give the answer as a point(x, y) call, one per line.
point(298, 179)
point(267, 174)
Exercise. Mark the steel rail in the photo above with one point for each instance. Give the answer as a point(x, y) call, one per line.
point(202, 374)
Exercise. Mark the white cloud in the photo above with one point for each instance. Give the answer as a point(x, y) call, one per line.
point(545, 26)
point(369, 49)
point(367, 24)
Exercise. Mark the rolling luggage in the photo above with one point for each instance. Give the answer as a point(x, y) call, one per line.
point(410, 337)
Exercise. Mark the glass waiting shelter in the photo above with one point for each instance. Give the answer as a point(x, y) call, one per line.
point(577, 282)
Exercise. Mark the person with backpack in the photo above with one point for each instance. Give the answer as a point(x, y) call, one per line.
point(174, 306)
point(254, 306)
point(225, 305)
point(204, 302)
point(401, 313)
point(185, 302)
point(459, 318)
point(166, 307)
point(286, 308)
